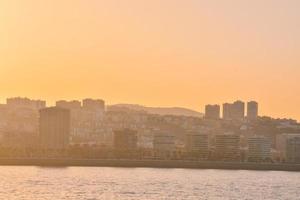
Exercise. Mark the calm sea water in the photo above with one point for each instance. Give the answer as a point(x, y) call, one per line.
point(145, 183)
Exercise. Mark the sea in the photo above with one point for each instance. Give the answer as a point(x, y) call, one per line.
point(91, 183)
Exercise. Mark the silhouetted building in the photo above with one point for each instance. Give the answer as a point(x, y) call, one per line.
point(238, 111)
point(252, 110)
point(19, 121)
point(212, 112)
point(125, 139)
point(259, 148)
point(235, 111)
point(54, 128)
point(76, 115)
point(227, 111)
point(93, 104)
point(86, 117)
point(68, 104)
point(227, 147)
point(25, 103)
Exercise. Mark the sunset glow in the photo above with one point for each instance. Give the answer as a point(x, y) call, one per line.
point(156, 53)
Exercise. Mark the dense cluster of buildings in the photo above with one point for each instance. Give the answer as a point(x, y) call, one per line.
point(233, 111)
point(89, 129)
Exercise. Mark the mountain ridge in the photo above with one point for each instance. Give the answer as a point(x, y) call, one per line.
point(159, 110)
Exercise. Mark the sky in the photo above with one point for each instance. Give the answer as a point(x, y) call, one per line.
point(155, 53)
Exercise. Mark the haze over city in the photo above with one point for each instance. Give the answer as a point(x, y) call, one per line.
point(154, 53)
point(157, 99)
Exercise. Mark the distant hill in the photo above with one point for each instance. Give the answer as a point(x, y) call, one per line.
point(158, 110)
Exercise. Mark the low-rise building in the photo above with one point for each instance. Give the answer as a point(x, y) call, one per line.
point(125, 139)
point(163, 145)
point(197, 145)
point(288, 146)
point(259, 148)
point(227, 147)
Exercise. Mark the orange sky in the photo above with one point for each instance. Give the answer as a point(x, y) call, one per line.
point(157, 53)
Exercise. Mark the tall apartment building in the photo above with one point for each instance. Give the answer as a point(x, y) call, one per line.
point(93, 104)
point(238, 110)
point(69, 104)
point(212, 112)
point(76, 115)
point(227, 111)
point(86, 117)
point(54, 128)
point(18, 102)
point(227, 147)
point(259, 148)
point(234, 111)
point(252, 110)
point(20, 121)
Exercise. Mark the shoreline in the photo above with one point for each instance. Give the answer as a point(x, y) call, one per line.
point(148, 164)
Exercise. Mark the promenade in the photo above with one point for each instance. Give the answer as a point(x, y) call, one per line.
point(149, 164)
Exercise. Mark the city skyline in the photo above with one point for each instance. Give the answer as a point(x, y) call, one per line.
point(158, 53)
point(82, 128)
point(207, 108)
point(160, 99)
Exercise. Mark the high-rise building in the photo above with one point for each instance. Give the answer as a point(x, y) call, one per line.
point(227, 111)
point(87, 120)
point(21, 121)
point(252, 110)
point(77, 116)
point(93, 104)
point(238, 110)
point(125, 139)
point(212, 112)
point(69, 104)
point(259, 148)
point(227, 147)
point(25, 103)
point(54, 128)
point(234, 111)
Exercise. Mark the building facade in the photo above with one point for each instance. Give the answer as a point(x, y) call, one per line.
point(227, 147)
point(212, 112)
point(259, 149)
point(125, 139)
point(18, 102)
point(197, 144)
point(234, 111)
point(252, 110)
point(54, 128)
point(94, 104)
point(164, 145)
point(288, 146)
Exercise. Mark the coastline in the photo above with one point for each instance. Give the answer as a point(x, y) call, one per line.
point(148, 164)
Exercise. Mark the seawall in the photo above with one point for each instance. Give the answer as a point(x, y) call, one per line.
point(149, 164)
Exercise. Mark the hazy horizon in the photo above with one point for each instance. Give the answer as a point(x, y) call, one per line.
point(159, 53)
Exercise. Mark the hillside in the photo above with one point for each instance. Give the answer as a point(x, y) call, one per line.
point(159, 110)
